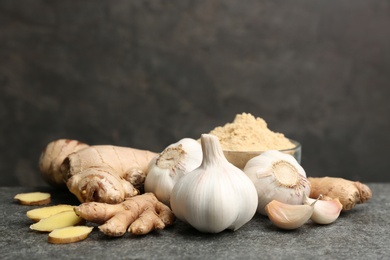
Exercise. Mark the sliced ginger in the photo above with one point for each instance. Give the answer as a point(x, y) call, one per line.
point(33, 198)
point(138, 215)
point(59, 220)
point(45, 212)
point(69, 234)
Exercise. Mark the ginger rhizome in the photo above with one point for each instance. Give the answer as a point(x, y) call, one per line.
point(102, 173)
point(138, 215)
point(348, 192)
point(106, 179)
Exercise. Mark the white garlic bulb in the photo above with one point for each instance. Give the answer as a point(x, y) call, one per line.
point(170, 165)
point(215, 196)
point(277, 176)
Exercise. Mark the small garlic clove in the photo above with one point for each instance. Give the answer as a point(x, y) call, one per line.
point(286, 216)
point(325, 211)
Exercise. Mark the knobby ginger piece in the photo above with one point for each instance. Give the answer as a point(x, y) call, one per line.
point(69, 234)
point(33, 198)
point(59, 220)
point(138, 215)
point(348, 192)
point(101, 173)
point(45, 212)
point(106, 173)
point(53, 156)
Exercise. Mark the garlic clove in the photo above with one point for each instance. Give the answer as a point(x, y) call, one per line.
point(287, 216)
point(325, 211)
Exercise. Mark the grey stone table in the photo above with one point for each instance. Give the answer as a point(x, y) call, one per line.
point(362, 233)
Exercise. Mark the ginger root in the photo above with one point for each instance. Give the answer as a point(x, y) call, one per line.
point(348, 192)
point(53, 156)
point(101, 173)
point(138, 215)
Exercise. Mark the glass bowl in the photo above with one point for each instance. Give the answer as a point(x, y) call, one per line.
point(240, 158)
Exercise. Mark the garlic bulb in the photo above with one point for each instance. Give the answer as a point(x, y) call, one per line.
point(287, 216)
point(215, 196)
point(277, 176)
point(325, 211)
point(170, 165)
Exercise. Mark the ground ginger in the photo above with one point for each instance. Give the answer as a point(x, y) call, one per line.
point(247, 133)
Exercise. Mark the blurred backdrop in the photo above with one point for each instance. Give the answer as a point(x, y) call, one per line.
point(145, 74)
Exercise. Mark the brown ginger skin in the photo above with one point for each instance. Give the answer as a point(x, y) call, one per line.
point(138, 215)
point(348, 192)
point(53, 156)
point(102, 173)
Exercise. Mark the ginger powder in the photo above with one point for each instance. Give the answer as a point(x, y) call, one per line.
point(247, 133)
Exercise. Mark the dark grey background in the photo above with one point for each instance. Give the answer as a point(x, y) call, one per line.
point(145, 74)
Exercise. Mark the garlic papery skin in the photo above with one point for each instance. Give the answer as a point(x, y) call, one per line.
point(287, 216)
point(170, 165)
point(325, 211)
point(277, 176)
point(215, 196)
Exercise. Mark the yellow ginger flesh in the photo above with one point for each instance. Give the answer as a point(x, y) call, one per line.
point(69, 234)
point(45, 212)
point(59, 220)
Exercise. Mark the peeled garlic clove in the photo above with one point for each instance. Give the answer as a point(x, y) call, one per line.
point(286, 216)
point(325, 211)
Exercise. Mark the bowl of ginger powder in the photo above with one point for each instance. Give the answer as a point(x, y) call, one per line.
point(247, 137)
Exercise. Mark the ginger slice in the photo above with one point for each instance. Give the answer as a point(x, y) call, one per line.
point(59, 220)
point(69, 234)
point(33, 198)
point(45, 212)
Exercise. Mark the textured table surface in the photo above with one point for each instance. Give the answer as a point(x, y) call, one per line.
point(362, 233)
